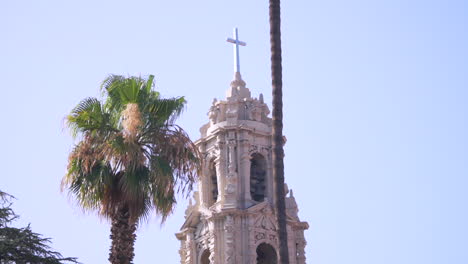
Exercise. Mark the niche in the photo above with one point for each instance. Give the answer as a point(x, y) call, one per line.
point(213, 186)
point(257, 177)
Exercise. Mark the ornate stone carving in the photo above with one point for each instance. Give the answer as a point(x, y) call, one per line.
point(230, 243)
point(264, 150)
point(202, 230)
point(214, 112)
point(273, 240)
point(189, 249)
point(253, 149)
point(232, 157)
point(259, 236)
point(265, 220)
point(239, 221)
point(231, 179)
point(232, 112)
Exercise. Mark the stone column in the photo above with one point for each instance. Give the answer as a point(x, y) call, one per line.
point(212, 241)
point(191, 251)
point(220, 163)
point(231, 179)
point(245, 170)
point(230, 246)
point(203, 188)
point(183, 252)
point(291, 245)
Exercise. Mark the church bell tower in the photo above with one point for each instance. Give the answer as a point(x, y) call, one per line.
point(232, 219)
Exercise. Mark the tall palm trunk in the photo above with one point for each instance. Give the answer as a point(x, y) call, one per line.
point(123, 237)
point(278, 152)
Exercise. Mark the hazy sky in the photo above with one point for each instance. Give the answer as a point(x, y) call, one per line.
point(375, 112)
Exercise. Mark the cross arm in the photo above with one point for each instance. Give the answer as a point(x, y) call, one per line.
point(241, 43)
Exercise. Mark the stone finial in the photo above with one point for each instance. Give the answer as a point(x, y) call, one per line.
point(213, 113)
point(238, 90)
point(238, 82)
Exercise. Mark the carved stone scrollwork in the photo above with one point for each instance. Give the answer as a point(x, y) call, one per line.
point(232, 156)
point(205, 239)
point(273, 240)
point(211, 241)
point(265, 151)
point(259, 236)
point(229, 235)
point(189, 249)
point(185, 253)
point(253, 149)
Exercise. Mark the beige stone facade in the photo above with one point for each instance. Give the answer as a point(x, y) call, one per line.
point(232, 219)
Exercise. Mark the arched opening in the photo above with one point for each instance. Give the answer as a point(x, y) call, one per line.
point(266, 254)
point(257, 177)
point(205, 257)
point(213, 183)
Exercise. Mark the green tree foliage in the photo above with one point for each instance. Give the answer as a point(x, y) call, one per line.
point(131, 157)
point(22, 245)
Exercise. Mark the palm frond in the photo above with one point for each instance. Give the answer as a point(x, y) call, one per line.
point(149, 84)
point(89, 116)
point(173, 145)
point(89, 187)
point(162, 112)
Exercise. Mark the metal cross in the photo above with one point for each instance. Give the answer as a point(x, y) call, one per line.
point(237, 42)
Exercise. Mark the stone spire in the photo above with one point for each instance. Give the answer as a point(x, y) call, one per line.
point(233, 218)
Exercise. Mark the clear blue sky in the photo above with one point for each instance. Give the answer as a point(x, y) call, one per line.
point(376, 115)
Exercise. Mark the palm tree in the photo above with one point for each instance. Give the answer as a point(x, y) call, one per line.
point(131, 157)
point(278, 152)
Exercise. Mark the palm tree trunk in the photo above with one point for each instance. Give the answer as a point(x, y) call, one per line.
point(123, 237)
point(278, 152)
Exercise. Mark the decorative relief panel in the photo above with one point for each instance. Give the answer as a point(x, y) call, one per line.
point(229, 230)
